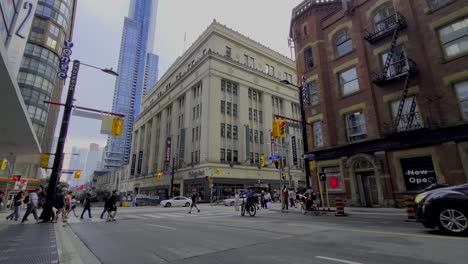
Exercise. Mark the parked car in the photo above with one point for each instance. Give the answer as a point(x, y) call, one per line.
point(177, 201)
point(444, 208)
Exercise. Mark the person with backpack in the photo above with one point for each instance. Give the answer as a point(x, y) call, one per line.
point(59, 205)
point(17, 201)
point(87, 206)
point(106, 206)
point(112, 203)
point(194, 202)
point(33, 200)
point(73, 204)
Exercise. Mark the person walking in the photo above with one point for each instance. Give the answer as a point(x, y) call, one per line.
point(32, 206)
point(87, 206)
point(112, 209)
point(284, 196)
point(73, 206)
point(292, 196)
point(59, 204)
point(236, 201)
point(106, 206)
point(17, 201)
point(194, 202)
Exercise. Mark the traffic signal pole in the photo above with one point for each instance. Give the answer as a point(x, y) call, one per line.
point(57, 166)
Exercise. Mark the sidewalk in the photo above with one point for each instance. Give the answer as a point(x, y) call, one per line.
point(28, 242)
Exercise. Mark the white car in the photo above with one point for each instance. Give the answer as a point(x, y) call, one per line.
point(232, 201)
point(177, 201)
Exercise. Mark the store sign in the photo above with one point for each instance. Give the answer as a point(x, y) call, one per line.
point(195, 174)
point(167, 157)
point(418, 173)
point(65, 59)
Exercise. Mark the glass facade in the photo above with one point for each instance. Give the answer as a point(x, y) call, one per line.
point(37, 77)
point(137, 74)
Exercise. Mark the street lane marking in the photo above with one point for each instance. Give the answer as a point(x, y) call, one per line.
point(161, 226)
point(153, 216)
point(173, 215)
point(338, 260)
point(401, 234)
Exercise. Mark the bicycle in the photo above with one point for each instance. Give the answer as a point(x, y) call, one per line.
point(251, 208)
point(314, 209)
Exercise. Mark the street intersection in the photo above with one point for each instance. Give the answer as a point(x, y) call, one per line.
point(219, 235)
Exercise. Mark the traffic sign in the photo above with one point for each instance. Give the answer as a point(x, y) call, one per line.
point(44, 161)
point(323, 176)
point(309, 156)
point(277, 157)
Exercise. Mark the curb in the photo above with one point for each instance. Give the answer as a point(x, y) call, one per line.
point(71, 249)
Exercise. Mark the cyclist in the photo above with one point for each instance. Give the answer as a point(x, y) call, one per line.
point(249, 197)
point(310, 196)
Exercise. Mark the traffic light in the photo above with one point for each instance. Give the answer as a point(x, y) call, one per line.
point(274, 129)
point(4, 164)
point(262, 161)
point(159, 175)
point(281, 128)
point(117, 127)
point(218, 172)
point(77, 175)
point(44, 162)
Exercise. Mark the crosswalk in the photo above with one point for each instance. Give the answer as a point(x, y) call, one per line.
point(160, 215)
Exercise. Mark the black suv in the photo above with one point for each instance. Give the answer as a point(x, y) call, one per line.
point(445, 208)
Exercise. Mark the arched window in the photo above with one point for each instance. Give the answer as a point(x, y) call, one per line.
point(384, 17)
point(342, 43)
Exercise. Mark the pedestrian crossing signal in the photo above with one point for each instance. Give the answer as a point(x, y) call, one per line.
point(77, 175)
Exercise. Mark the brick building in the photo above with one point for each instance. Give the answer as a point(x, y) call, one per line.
point(387, 86)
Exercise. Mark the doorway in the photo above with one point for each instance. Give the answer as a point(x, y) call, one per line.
point(367, 189)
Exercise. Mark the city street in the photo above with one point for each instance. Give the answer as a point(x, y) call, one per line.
point(219, 235)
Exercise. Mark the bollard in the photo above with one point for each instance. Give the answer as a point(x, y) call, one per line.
point(339, 207)
point(409, 205)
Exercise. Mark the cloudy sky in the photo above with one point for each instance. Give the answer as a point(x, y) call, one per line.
point(98, 30)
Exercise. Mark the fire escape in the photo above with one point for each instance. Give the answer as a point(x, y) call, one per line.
point(397, 67)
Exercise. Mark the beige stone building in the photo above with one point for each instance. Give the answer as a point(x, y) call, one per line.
point(211, 115)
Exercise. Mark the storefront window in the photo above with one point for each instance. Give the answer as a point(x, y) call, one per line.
point(418, 173)
point(334, 178)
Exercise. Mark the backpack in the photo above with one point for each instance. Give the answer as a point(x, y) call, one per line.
point(26, 199)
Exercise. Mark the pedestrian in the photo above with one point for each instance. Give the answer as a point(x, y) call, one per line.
point(112, 209)
point(236, 201)
point(68, 198)
point(194, 202)
point(17, 201)
point(73, 206)
point(59, 205)
point(87, 206)
point(284, 196)
point(106, 206)
point(32, 206)
point(292, 195)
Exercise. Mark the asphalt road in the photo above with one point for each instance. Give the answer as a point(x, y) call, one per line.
point(219, 235)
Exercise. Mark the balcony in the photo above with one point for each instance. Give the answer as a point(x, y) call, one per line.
point(384, 28)
point(408, 122)
point(397, 70)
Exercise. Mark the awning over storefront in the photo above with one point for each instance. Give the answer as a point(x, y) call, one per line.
point(17, 136)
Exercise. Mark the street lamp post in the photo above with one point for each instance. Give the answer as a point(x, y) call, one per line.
point(304, 130)
point(57, 166)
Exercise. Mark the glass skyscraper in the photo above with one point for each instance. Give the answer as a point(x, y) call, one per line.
point(37, 78)
point(138, 69)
